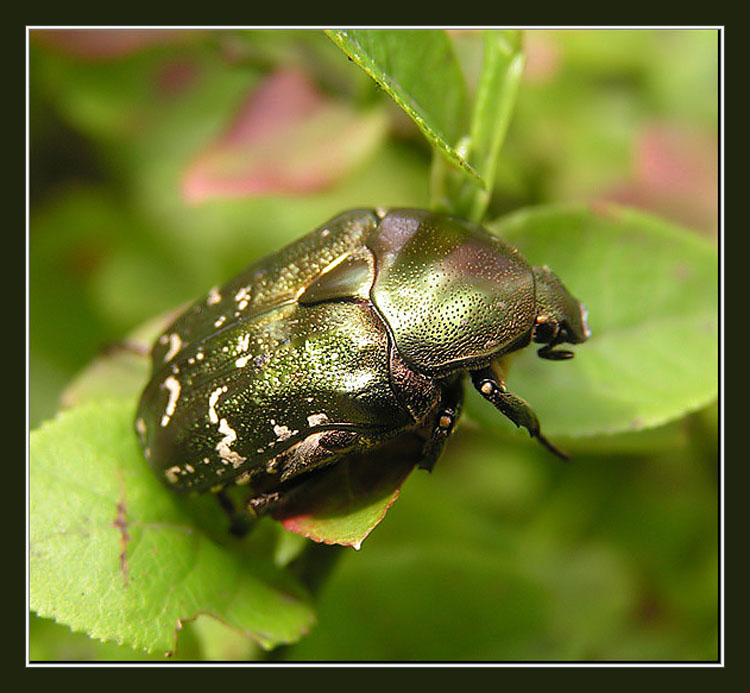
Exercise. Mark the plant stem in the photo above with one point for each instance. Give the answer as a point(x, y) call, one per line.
point(312, 567)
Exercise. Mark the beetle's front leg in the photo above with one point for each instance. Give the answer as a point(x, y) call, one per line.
point(512, 406)
point(443, 424)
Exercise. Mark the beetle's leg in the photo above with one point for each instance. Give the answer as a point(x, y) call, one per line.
point(512, 406)
point(443, 424)
point(265, 502)
point(317, 450)
point(240, 521)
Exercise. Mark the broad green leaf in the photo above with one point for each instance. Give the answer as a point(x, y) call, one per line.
point(651, 291)
point(493, 106)
point(120, 371)
point(112, 554)
point(418, 70)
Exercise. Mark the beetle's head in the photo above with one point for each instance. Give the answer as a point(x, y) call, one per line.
point(559, 316)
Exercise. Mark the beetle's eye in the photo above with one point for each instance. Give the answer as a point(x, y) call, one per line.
point(545, 330)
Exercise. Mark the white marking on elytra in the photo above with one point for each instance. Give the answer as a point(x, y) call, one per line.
point(242, 479)
point(282, 432)
point(242, 297)
point(140, 426)
point(242, 345)
point(171, 474)
point(173, 385)
point(213, 398)
point(213, 296)
point(317, 419)
point(175, 344)
point(223, 446)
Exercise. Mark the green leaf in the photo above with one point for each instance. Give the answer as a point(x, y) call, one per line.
point(121, 370)
point(419, 71)
point(651, 291)
point(114, 555)
point(494, 102)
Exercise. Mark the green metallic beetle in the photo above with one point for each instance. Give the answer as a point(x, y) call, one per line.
point(355, 334)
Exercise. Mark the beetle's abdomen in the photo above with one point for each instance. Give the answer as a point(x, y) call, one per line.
point(227, 405)
point(451, 293)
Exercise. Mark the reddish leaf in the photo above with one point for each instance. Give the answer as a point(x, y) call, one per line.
point(675, 174)
point(97, 44)
point(286, 138)
point(343, 504)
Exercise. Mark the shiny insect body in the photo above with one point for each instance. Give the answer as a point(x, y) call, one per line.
point(357, 333)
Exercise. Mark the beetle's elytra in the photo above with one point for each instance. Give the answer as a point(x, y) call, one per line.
point(357, 333)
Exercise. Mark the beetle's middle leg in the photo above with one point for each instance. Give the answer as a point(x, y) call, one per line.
point(517, 410)
point(443, 424)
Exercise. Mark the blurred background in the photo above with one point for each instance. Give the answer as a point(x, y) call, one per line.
point(162, 162)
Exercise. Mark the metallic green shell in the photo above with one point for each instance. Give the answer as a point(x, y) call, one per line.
point(452, 294)
point(242, 396)
point(247, 371)
point(302, 343)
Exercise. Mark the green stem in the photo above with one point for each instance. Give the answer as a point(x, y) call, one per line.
point(494, 101)
point(312, 567)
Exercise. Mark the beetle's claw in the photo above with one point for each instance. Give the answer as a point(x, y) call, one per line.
point(546, 352)
point(552, 448)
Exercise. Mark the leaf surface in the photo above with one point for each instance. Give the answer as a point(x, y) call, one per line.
point(651, 289)
point(114, 554)
point(419, 71)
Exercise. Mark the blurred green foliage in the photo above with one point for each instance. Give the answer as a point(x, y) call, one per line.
point(502, 553)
